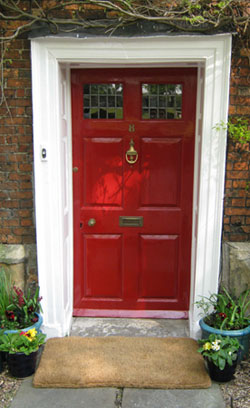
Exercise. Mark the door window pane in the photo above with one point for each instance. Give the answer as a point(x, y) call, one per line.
point(161, 101)
point(103, 101)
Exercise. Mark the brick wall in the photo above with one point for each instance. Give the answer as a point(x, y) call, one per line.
point(237, 185)
point(16, 157)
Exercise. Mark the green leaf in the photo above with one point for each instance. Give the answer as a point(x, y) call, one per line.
point(221, 363)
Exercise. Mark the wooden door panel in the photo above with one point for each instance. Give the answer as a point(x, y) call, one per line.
point(161, 181)
point(159, 266)
point(103, 177)
point(133, 269)
point(103, 267)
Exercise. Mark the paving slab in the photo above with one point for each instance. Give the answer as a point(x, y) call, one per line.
point(30, 397)
point(142, 398)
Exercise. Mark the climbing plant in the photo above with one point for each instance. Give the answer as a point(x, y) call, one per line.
point(237, 128)
point(199, 16)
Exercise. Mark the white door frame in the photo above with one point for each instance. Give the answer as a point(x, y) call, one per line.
point(52, 59)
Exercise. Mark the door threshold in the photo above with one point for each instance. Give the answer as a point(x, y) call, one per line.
point(138, 314)
point(108, 326)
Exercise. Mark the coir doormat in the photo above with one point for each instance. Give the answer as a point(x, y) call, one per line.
point(140, 362)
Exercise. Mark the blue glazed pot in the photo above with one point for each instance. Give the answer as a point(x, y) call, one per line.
point(243, 336)
point(36, 326)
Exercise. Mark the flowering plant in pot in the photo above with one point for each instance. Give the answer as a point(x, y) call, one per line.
point(22, 349)
point(227, 315)
point(221, 354)
point(18, 310)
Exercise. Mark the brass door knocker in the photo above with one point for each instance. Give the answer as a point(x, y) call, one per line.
point(131, 154)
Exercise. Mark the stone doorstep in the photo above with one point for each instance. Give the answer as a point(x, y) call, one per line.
point(30, 397)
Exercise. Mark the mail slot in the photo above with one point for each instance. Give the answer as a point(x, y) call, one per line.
point(130, 221)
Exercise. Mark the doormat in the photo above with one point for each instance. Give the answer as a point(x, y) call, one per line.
point(139, 362)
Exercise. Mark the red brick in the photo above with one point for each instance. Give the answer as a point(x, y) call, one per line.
point(238, 175)
point(229, 165)
point(26, 204)
point(11, 239)
point(26, 222)
point(238, 202)
point(239, 184)
point(237, 219)
point(21, 231)
point(20, 93)
point(9, 186)
point(238, 237)
point(25, 167)
point(241, 166)
point(11, 223)
point(228, 184)
point(21, 194)
point(25, 213)
point(237, 211)
point(26, 186)
point(243, 110)
point(246, 228)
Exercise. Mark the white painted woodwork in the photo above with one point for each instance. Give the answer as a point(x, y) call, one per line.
point(52, 58)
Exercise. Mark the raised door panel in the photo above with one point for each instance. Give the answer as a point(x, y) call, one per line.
point(161, 172)
point(158, 266)
point(103, 172)
point(103, 266)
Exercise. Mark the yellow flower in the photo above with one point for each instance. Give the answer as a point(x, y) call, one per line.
point(31, 334)
point(207, 346)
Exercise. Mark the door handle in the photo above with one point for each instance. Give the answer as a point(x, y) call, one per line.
point(91, 222)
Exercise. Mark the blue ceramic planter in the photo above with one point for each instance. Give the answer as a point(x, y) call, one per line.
point(36, 326)
point(242, 335)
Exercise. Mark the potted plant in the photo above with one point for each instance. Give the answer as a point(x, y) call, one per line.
point(18, 310)
point(22, 349)
point(227, 315)
point(221, 355)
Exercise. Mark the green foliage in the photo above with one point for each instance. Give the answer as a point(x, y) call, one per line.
point(5, 291)
point(17, 310)
point(21, 342)
point(220, 350)
point(238, 129)
point(225, 312)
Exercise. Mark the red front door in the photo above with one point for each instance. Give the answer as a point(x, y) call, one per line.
point(133, 157)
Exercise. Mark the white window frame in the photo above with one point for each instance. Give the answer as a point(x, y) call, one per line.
point(52, 59)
